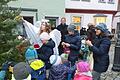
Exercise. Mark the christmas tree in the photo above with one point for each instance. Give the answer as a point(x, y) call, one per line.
point(8, 34)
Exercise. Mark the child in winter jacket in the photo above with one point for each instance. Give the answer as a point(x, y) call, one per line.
point(83, 71)
point(37, 66)
point(58, 71)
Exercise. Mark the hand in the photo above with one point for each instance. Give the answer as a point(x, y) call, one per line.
point(63, 43)
point(88, 42)
point(67, 44)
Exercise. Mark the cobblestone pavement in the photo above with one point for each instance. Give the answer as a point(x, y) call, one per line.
point(111, 75)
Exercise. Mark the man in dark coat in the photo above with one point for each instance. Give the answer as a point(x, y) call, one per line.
point(63, 29)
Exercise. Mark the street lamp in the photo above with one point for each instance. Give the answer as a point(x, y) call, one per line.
point(116, 63)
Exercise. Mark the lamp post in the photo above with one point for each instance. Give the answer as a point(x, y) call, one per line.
point(116, 63)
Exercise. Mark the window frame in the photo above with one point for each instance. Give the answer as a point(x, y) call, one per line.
point(53, 20)
point(75, 0)
point(86, 0)
point(111, 1)
point(102, 1)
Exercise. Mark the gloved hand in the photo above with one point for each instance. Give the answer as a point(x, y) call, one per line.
point(5, 66)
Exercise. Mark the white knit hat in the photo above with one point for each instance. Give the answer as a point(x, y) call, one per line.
point(44, 36)
point(55, 60)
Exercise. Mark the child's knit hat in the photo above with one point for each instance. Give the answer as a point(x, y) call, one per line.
point(55, 60)
point(44, 36)
point(83, 66)
point(31, 54)
point(21, 71)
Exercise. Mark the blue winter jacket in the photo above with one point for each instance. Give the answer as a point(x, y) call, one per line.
point(75, 43)
point(60, 72)
point(100, 51)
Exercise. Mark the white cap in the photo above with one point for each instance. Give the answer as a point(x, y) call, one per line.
point(55, 60)
point(44, 36)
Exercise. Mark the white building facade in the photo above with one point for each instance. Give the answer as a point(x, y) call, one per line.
point(116, 20)
point(82, 12)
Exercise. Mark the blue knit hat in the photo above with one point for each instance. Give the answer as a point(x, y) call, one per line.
point(31, 54)
point(102, 27)
point(71, 28)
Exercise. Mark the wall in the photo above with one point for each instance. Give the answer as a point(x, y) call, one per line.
point(93, 4)
point(44, 7)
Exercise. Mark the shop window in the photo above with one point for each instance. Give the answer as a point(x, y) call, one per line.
point(100, 18)
point(76, 20)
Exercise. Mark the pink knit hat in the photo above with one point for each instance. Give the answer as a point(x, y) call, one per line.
point(83, 66)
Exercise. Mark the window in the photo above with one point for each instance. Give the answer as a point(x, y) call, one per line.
point(101, 1)
point(76, 20)
point(53, 21)
point(75, 0)
point(86, 0)
point(28, 18)
point(111, 1)
point(100, 18)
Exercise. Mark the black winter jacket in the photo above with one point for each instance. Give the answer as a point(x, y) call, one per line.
point(46, 50)
point(63, 29)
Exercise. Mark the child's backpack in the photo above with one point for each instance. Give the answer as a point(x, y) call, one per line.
point(31, 54)
point(84, 49)
point(38, 70)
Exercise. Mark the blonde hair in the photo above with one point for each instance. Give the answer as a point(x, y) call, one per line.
point(47, 28)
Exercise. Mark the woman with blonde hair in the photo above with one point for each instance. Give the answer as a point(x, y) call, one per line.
point(45, 27)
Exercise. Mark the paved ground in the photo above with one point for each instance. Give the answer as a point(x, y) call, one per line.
point(111, 75)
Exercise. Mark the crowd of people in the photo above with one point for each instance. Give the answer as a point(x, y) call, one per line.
point(71, 63)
